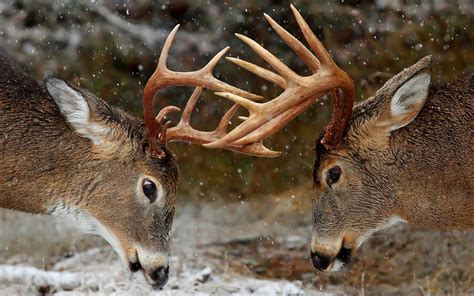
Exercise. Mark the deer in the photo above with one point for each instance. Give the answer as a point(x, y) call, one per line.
point(404, 155)
point(69, 154)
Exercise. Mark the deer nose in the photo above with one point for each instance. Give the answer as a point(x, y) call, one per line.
point(320, 262)
point(159, 276)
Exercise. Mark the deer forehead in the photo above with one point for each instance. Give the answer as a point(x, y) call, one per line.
point(328, 159)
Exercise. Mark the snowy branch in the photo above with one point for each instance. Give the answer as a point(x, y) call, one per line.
point(155, 37)
point(39, 278)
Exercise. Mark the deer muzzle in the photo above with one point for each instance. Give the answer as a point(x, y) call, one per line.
point(154, 265)
point(330, 255)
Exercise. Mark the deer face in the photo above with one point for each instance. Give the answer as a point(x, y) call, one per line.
point(116, 190)
point(349, 204)
point(353, 183)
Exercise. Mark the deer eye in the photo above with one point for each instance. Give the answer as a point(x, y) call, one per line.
point(149, 189)
point(333, 175)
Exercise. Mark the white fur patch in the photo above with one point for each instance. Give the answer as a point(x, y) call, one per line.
point(85, 223)
point(411, 96)
point(336, 266)
point(384, 225)
point(74, 108)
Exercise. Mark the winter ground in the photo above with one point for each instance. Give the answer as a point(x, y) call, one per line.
point(243, 248)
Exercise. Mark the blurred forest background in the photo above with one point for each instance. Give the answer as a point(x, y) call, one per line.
point(111, 48)
point(259, 225)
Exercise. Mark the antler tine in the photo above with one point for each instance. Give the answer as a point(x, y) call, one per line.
point(278, 65)
point(188, 109)
point(255, 110)
point(165, 111)
point(213, 62)
point(313, 41)
point(184, 132)
point(259, 71)
point(247, 104)
point(222, 126)
point(166, 49)
point(190, 104)
point(258, 149)
point(310, 60)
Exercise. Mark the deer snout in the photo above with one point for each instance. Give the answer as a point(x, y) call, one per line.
point(159, 277)
point(329, 255)
point(155, 267)
point(320, 261)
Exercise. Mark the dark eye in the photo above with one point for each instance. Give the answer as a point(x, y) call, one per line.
point(333, 175)
point(149, 189)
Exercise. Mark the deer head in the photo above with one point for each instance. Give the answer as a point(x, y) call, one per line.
point(115, 189)
point(371, 162)
point(355, 182)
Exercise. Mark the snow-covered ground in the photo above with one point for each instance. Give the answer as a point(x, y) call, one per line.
point(238, 248)
point(95, 271)
point(34, 258)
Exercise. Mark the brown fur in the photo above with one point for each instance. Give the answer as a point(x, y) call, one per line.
point(422, 173)
point(46, 163)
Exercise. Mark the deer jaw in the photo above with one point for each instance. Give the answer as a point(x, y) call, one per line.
point(397, 164)
point(85, 223)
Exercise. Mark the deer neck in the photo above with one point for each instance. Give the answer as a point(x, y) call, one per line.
point(434, 166)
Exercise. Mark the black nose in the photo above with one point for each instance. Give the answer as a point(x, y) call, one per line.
point(320, 262)
point(159, 277)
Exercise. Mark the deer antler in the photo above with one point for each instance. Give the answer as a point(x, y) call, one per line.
point(159, 134)
point(264, 119)
point(299, 93)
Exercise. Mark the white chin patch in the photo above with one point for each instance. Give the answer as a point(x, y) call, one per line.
point(336, 266)
point(394, 220)
point(85, 223)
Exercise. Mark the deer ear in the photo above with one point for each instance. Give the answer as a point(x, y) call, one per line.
point(407, 101)
point(76, 111)
point(394, 106)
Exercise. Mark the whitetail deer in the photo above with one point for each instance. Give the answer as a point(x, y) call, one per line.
point(69, 154)
point(403, 155)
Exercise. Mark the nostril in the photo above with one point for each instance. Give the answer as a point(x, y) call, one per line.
point(135, 266)
point(160, 276)
point(320, 262)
